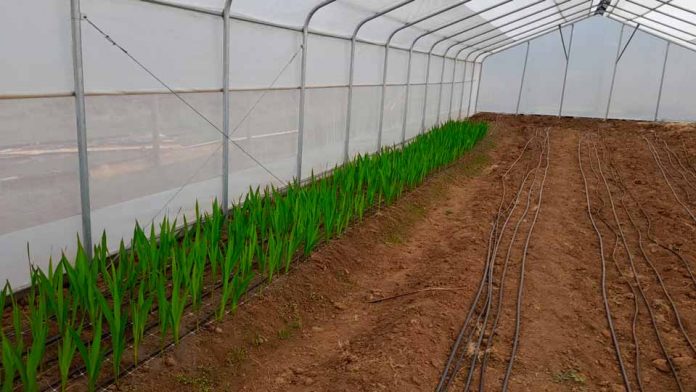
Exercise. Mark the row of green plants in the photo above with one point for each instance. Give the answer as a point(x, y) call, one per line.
point(99, 306)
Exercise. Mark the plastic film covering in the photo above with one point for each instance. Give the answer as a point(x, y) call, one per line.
point(39, 183)
point(678, 91)
point(543, 78)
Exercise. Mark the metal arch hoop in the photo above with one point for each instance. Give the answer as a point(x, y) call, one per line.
point(351, 71)
point(303, 86)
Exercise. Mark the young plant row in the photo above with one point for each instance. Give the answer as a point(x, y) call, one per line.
point(105, 304)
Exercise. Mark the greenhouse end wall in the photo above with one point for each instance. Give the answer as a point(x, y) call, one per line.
point(592, 53)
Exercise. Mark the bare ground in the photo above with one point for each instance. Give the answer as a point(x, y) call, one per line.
point(318, 328)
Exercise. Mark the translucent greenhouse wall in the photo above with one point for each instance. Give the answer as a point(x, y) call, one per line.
point(150, 155)
point(593, 46)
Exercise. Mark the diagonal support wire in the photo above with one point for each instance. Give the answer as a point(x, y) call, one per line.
point(178, 96)
point(628, 42)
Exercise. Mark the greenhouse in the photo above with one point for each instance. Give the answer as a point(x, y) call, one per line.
point(348, 195)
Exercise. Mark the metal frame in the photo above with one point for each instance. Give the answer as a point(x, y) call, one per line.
point(524, 71)
point(657, 28)
point(81, 125)
point(567, 64)
point(662, 81)
point(351, 70)
point(226, 105)
point(303, 85)
point(385, 66)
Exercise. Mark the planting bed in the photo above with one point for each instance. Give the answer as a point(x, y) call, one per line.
point(85, 321)
point(380, 307)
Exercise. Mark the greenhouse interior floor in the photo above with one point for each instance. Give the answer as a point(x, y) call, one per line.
point(380, 307)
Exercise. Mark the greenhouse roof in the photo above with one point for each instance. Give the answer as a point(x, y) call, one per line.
point(466, 27)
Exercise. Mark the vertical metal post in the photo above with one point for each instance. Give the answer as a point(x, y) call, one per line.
point(454, 74)
point(226, 105)
point(461, 101)
point(346, 141)
point(565, 73)
point(382, 98)
point(478, 86)
point(524, 71)
point(613, 74)
point(442, 81)
point(303, 88)
point(80, 117)
point(425, 98)
point(662, 80)
point(408, 90)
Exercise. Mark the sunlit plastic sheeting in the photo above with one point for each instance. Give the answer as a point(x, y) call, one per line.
point(154, 162)
point(393, 115)
point(365, 120)
point(595, 44)
point(476, 78)
point(679, 88)
point(263, 56)
point(35, 47)
point(501, 81)
point(398, 64)
point(638, 74)
point(39, 186)
point(368, 64)
point(183, 49)
point(543, 79)
point(325, 127)
point(415, 110)
point(328, 61)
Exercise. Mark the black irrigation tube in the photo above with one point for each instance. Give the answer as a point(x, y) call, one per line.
point(474, 358)
point(520, 291)
point(491, 243)
point(494, 327)
point(658, 162)
point(607, 309)
point(655, 271)
point(652, 236)
point(626, 280)
point(635, 275)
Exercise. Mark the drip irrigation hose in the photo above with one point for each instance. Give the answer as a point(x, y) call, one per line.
point(501, 287)
point(665, 291)
point(457, 343)
point(607, 309)
point(658, 162)
point(474, 357)
point(626, 280)
point(520, 292)
point(635, 275)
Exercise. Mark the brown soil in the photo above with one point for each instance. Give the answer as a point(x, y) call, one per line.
point(318, 328)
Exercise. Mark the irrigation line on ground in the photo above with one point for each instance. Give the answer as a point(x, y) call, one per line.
point(498, 311)
point(681, 169)
point(455, 347)
point(493, 243)
point(607, 309)
point(514, 203)
point(636, 303)
point(619, 180)
point(658, 162)
point(657, 275)
point(520, 291)
point(635, 275)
